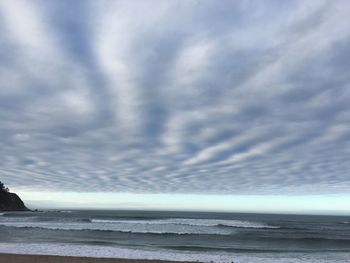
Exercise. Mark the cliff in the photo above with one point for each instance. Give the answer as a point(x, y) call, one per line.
point(11, 202)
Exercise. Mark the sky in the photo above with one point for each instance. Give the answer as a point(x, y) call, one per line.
point(182, 100)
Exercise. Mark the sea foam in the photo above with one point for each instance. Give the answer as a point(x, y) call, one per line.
point(179, 226)
point(124, 253)
point(190, 222)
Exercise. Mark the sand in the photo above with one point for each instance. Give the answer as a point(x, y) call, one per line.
point(12, 258)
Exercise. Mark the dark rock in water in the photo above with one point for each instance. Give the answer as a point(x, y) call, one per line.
point(11, 202)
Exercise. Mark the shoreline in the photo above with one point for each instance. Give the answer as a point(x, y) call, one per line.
point(24, 258)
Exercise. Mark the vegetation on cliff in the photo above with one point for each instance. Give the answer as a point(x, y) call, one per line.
point(10, 201)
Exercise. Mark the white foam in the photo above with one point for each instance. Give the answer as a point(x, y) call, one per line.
point(124, 253)
point(107, 227)
point(190, 222)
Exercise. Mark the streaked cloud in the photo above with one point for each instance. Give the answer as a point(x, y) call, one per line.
point(236, 97)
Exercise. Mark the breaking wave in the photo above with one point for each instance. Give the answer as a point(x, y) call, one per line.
point(190, 222)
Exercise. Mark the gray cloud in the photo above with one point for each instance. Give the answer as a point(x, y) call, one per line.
point(175, 96)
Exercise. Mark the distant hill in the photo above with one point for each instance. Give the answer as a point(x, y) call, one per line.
point(10, 201)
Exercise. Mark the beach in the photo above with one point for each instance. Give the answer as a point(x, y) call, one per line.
point(12, 258)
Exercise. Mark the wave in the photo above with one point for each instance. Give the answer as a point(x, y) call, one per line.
point(248, 226)
point(190, 222)
point(73, 228)
point(219, 223)
point(62, 220)
point(30, 218)
point(97, 228)
point(106, 221)
point(94, 251)
point(86, 227)
point(175, 226)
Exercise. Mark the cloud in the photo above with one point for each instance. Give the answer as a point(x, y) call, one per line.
point(175, 96)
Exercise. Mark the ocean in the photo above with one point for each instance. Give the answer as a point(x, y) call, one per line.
point(179, 236)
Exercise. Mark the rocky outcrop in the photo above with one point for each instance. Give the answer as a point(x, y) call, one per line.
point(11, 202)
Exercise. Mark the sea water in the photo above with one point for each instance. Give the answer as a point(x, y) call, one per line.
point(179, 236)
